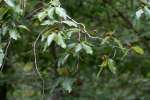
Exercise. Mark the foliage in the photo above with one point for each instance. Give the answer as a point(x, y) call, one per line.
point(69, 49)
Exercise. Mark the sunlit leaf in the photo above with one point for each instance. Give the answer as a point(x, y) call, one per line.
point(111, 65)
point(138, 50)
point(50, 38)
point(55, 2)
point(87, 48)
point(139, 13)
point(63, 59)
point(41, 15)
point(10, 3)
point(72, 45)
point(61, 12)
point(78, 48)
point(14, 34)
point(18, 10)
point(24, 27)
point(60, 41)
point(51, 12)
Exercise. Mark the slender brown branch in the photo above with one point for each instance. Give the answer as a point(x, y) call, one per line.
point(35, 61)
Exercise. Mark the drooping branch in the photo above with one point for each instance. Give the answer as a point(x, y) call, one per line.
point(35, 61)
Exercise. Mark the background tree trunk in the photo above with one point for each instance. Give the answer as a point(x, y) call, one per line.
point(3, 92)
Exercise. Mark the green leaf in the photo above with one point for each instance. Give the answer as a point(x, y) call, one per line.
point(18, 10)
point(87, 48)
point(50, 38)
point(10, 3)
point(67, 84)
point(61, 12)
point(138, 50)
point(55, 2)
point(70, 23)
point(60, 41)
point(41, 15)
point(72, 45)
point(71, 31)
point(119, 44)
point(51, 12)
point(24, 27)
point(139, 13)
point(63, 59)
point(14, 34)
point(111, 66)
point(78, 48)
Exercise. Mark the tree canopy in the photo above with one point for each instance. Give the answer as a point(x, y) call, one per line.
point(74, 50)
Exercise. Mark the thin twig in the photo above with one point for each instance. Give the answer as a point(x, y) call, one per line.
point(84, 29)
point(78, 62)
point(92, 37)
point(100, 72)
point(5, 54)
point(35, 61)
